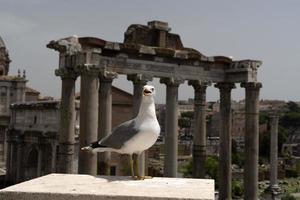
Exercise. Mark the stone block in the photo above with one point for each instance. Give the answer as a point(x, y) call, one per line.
point(86, 187)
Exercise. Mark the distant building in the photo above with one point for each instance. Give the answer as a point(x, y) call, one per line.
point(12, 89)
point(31, 94)
point(33, 139)
point(34, 132)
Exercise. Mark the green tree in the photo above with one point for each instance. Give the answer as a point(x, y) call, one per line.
point(264, 141)
point(185, 119)
point(292, 106)
point(237, 188)
point(238, 158)
point(291, 121)
point(211, 167)
point(263, 117)
point(188, 114)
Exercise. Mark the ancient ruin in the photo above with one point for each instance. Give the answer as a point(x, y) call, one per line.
point(152, 51)
point(12, 89)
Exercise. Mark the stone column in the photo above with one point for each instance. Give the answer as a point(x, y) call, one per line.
point(139, 80)
point(199, 147)
point(88, 119)
point(171, 131)
point(5, 145)
point(225, 140)
point(67, 121)
point(105, 118)
point(53, 157)
point(8, 161)
point(19, 166)
point(251, 140)
point(274, 188)
point(40, 160)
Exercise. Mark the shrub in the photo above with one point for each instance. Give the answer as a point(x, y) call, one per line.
point(237, 188)
point(288, 197)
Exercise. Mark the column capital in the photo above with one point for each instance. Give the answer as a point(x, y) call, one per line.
point(274, 117)
point(88, 69)
point(199, 85)
point(139, 78)
point(171, 81)
point(274, 114)
point(107, 76)
point(66, 73)
point(252, 85)
point(225, 86)
point(68, 46)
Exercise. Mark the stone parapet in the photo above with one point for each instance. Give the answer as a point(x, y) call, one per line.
point(86, 187)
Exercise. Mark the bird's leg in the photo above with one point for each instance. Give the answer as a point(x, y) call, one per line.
point(136, 167)
point(131, 167)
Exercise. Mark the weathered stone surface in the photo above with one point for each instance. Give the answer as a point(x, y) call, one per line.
point(83, 187)
point(153, 49)
point(4, 58)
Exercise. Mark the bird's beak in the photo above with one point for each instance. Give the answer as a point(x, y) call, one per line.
point(147, 92)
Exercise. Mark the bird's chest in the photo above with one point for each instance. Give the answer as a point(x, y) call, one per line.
point(150, 126)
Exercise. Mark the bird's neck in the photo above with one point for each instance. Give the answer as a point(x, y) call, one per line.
point(147, 109)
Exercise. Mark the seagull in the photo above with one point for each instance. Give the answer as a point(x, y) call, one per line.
point(134, 136)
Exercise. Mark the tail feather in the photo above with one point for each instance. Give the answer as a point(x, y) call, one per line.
point(95, 147)
point(87, 148)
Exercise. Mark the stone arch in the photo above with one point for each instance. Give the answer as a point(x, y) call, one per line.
point(46, 160)
point(31, 163)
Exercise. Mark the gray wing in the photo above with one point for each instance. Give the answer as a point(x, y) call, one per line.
point(120, 135)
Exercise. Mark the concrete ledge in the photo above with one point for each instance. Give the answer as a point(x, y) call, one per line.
point(85, 187)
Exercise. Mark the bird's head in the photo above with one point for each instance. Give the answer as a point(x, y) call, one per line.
point(148, 90)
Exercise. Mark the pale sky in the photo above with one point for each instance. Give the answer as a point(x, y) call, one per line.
point(262, 30)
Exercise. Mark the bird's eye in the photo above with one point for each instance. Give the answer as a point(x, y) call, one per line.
point(152, 89)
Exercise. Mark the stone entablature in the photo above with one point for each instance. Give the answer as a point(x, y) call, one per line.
point(141, 54)
point(40, 116)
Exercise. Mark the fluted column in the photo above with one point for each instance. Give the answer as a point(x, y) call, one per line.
point(88, 118)
point(105, 118)
point(225, 140)
point(171, 131)
point(251, 140)
point(274, 188)
point(67, 121)
point(139, 80)
point(199, 140)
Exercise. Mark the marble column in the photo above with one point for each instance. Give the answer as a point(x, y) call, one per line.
point(105, 118)
point(199, 140)
point(171, 130)
point(88, 119)
point(251, 140)
point(274, 187)
point(139, 80)
point(67, 122)
point(225, 140)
